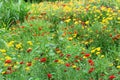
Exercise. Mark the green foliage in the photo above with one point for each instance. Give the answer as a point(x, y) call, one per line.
point(12, 11)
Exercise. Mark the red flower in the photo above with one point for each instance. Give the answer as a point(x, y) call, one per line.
point(76, 57)
point(56, 60)
point(87, 55)
point(82, 52)
point(67, 65)
point(68, 55)
point(61, 55)
point(78, 68)
point(91, 62)
point(43, 59)
point(49, 75)
point(8, 61)
point(21, 62)
point(29, 64)
point(111, 77)
point(76, 61)
point(91, 70)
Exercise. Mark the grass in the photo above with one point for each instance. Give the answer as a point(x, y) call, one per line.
point(63, 41)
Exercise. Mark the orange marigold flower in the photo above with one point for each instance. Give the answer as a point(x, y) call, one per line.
point(8, 61)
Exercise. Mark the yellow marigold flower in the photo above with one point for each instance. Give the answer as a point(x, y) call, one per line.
point(67, 21)
point(86, 42)
point(8, 57)
point(74, 66)
point(11, 43)
point(98, 49)
point(92, 51)
point(3, 51)
point(60, 61)
point(87, 22)
point(76, 22)
point(3, 72)
point(74, 35)
point(118, 67)
point(70, 38)
point(27, 68)
point(30, 43)
point(6, 64)
point(97, 53)
point(18, 46)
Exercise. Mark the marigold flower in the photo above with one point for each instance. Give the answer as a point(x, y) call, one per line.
point(56, 60)
point(21, 62)
point(92, 51)
point(91, 70)
point(18, 46)
point(29, 50)
point(74, 66)
point(29, 64)
point(2, 50)
point(8, 61)
point(118, 67)
point(30, 43)
point(86, 55)
point(111, 77)
point(67, 65)
point(70, 38)
point(49, 75)
point(91, 62)
point(11, 43)
point(98, 49)
point(43, 59)
point(27, 68)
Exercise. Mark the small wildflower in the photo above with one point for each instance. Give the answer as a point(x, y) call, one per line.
point(118, 67)
point(30, 43)
point(111, 77)
point(49, 75)
point(70, 38)
point(29, 64)
point(67, 65)
point(91, 70)
point(18, 46)
point(92, 51)
point(3, 51)
point(87, 22)
point(98, 49)
point(74, 66)
point(29, 50)
point(43, 59)
point(8, 61)
point(90, 61)
point(97, 53)
point(27, 68)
